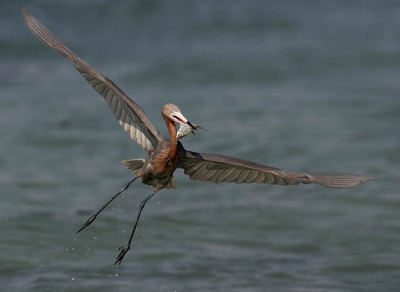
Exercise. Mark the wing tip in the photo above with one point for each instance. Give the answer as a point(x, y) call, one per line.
point(364, 179)
point(344, 181)
point(25, 13)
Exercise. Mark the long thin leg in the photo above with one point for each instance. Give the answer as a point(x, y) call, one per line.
point(93, 217)
point(124, 249)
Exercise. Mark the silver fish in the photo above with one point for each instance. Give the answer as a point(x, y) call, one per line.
point(185, 130)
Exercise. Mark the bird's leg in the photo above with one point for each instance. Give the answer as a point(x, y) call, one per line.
point(125, 249)
point(93, 217)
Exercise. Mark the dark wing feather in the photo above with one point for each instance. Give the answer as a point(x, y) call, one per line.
point(219, 168)
point(129, 115)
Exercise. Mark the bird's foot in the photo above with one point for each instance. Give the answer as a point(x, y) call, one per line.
point(120, 257)
point(87, 223)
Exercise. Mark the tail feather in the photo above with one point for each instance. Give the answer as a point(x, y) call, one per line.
point(135, 165)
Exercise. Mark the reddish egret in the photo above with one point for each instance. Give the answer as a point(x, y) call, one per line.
point(166, 155)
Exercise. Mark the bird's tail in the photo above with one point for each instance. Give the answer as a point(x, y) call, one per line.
point(135, 165)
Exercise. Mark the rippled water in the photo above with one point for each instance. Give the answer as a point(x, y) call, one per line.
point(303, 85)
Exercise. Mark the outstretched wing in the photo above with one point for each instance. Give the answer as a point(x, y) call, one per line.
point(219, 168)
point(129, 115)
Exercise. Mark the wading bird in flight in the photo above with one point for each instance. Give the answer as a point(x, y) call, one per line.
point(166, 155)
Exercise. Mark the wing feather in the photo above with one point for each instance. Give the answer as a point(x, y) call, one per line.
point(129, 115)
point(220, 168)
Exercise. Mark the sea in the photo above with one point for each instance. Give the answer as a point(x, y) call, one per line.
point(310, 86)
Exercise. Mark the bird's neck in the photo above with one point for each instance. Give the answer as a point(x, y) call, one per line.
point(173, 148)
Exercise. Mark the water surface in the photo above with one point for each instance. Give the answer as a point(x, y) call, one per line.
point(309, 86)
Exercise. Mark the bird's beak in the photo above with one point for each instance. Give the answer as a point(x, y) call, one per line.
point(190, 124)
point(182, 120)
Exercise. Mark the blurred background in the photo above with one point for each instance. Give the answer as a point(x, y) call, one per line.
point(308, 86)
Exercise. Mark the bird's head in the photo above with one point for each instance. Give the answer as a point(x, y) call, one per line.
point(173, 113)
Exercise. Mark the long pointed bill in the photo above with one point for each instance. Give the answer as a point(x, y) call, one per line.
point(193, 127)
point(182, 120)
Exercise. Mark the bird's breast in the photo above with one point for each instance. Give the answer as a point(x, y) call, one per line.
point(164, 164)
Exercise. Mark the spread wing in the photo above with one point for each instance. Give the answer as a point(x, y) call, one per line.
point(219, 168)
point(129, 115)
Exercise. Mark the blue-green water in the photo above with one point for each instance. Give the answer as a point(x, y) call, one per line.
point(309, 86)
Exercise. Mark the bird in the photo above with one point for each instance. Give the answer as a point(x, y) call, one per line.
point(166, 155)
